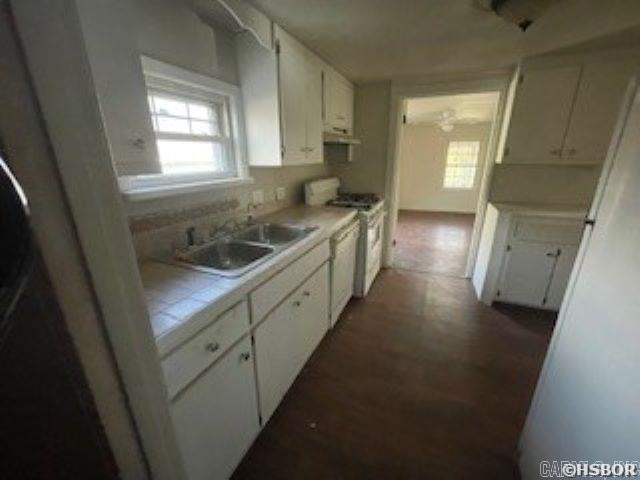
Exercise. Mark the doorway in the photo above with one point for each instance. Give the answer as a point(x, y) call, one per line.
point(444, 146)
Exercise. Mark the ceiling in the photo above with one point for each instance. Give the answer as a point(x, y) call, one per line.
point(454, 109)
point(370, 40)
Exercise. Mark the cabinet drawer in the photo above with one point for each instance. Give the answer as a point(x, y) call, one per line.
point(547, 231)
point(270, 293)
point(191, 358)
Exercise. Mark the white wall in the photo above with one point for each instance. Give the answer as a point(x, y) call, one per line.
point(371, 125)
point(169, 31)
point(545, 184)
point(422, 164)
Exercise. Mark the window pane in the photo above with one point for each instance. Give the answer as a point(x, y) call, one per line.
point(172, 125)
point(462, 160)
point(170, 106)
point(201, 112)
point(202, 128)
point(191, 156)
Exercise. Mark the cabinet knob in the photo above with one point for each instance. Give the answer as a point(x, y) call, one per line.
point(306, 293)
point(555, 151)
point(245, 356)
point(572, 151)
point(297, 303)
point(212, 347)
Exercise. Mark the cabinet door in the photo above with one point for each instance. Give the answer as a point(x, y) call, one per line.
point(595, 112)
point(560, 277)
point(311, 313)
point(287, 336)
point(541, 114)
point(216, 418)
point(275, 350)
point(338, 104)
point(294, 76)
point(527, 269)
point(314, 112)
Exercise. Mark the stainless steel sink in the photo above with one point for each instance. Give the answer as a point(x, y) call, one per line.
point(272, 233)
point(227, 257)
point(238, 253)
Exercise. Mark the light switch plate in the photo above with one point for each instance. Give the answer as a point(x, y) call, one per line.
point(258, 197)
point(281, 192)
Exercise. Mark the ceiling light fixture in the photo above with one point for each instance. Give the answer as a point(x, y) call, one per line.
point(521, 12)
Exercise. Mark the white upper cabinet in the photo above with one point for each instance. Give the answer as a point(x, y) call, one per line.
point(338, 103)
point(293, 93)
point(282, 95)
point(566, 114)
point(540, 114)
point(596, 108)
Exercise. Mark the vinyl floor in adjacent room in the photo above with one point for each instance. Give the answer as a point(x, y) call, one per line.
point(417, 381)
point(433, 242)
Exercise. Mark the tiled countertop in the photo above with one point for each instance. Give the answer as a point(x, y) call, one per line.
point(546, 210)
point(182, 301)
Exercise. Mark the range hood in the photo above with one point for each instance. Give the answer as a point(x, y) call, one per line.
point(339, 139)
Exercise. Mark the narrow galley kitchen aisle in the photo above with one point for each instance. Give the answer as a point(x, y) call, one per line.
point(417, 380)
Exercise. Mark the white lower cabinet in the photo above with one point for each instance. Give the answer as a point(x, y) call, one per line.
point(211, 378)
point(560, 277)
point(216, 417)
point(536, 274)
point(288, 336)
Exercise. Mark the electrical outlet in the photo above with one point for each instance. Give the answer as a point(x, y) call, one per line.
point(258, 197)
point(281, 193)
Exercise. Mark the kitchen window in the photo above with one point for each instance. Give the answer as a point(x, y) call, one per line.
point(198, 132)
point(462, 165)
point(192, 134)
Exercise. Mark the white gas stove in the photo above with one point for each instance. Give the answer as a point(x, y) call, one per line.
point(371, 218)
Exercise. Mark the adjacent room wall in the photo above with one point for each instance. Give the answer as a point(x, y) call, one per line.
point(371, 123)
point(422, 165)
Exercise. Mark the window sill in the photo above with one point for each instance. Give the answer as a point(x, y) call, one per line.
point(133, 192)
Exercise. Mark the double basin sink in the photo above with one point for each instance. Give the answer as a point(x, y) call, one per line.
point(244, 250)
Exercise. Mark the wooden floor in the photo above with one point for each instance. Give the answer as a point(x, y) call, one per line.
point(417, 381)
point(433, 242)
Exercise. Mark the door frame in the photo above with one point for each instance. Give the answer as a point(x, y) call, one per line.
point(400, 92)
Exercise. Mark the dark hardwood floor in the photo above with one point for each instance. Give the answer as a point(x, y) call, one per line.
point(417, 381)
point(433, 242)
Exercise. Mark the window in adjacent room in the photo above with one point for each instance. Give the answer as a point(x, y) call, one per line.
point(462, 165)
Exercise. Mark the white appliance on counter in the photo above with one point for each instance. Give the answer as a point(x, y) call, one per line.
point(371, 226)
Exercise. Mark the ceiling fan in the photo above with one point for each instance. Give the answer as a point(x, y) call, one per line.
point(447, 119)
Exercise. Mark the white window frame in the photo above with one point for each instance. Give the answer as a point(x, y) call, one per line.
point(160, 76)
point(476, 166)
